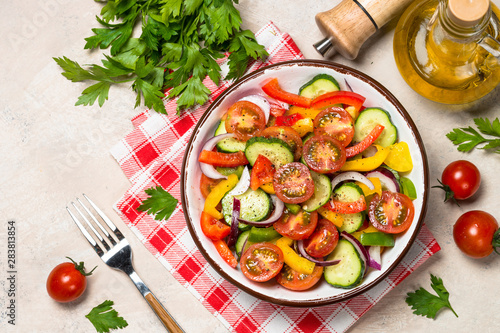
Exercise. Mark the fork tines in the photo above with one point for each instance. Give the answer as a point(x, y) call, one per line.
point(103, 231)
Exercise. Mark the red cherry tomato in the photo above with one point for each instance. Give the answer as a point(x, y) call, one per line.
point(294, 280)
point(207, 184)
point(293, 183)
point(392, 212)
point(67, 281)
point(245, 119)
point(297, 226)
point(335, 122)
point(324, 154)
point(460, 180)
point(474, 233)
point(261, 262)
point(287, 134)
point(323, 240)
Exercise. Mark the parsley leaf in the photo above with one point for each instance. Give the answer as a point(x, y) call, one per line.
point(177, 48)
point(104, 317)
point(426, 304)
point(467, 138)
point(160, 202)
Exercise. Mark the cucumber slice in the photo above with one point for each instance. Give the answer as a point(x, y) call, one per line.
point(254, 206)
point(240, 242)
point(322, 192)
point(349, 192)
point(319, 85)
point(349, 271)
point(229, 145)
point(368, 119)
point(276, 150)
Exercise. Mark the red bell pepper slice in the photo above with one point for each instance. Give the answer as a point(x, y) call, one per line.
point(273, 89)
point(367, 142)
point(347, 207)
point(338, 97)
point(225, 253)
point(223, 159)
point(262, 172)
point(289, 120)
point(213, 228)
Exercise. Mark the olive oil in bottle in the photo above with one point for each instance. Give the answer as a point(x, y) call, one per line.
point(440, 48)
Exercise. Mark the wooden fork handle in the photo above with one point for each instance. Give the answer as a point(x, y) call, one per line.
point(163, 314)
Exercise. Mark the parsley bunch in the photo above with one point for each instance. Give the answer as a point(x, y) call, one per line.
point(177, 48)
point(467, 138)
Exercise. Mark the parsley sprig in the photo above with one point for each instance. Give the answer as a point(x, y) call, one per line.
point(104, 317)
point(468, 138)
point(160, 203)
point(426, 304)
point(177, 47)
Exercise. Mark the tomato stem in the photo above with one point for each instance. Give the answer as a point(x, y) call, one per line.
point(81, 267)
point(495, 242)
point(449, 194)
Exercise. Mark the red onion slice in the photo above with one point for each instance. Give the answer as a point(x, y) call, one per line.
point(375, 260)
point(242, 185)
point(279, 207)
point(207, 169)
point(387, 179)
point(363, 253)
point(348, 86)
point(233, 235)
point(352, 175)
point(261, 102)
point(303, 252)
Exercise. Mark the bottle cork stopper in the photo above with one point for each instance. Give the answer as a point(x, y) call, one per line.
point(467, 13)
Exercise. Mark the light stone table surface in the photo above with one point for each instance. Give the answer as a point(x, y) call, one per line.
point(52, 151)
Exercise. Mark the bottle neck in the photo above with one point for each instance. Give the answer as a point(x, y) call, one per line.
point(461, 32)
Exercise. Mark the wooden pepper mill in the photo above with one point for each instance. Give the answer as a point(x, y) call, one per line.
point(349, 24)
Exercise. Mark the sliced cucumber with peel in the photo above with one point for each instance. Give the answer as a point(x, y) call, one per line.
point(276, 150)
point(349, 192)
point(254, 206)
point(322, 192)
point(229, 145)
point(319, 85)
point(366, 122)
point(349, 272)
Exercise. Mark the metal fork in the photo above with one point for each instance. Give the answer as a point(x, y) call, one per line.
point(118, 255)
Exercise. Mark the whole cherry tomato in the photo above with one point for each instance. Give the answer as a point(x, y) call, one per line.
point(475, 233)
point(460, 180)
point(67, 281)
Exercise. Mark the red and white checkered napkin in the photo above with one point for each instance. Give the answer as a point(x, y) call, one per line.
point(152, 155)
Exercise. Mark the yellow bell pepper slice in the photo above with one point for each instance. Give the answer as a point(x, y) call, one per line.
point(368, 163)
point(304, 112)
point(357, 234)
point(268, 188)
point(399, 157)
point(303, 126)
point(366, 190)
point(333, 217)
point(215, 196)
point(292, 259)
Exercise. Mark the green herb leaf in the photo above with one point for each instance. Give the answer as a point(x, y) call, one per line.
point(426, 304)
point(177, 48)
point(160, 203)
point(468, 138)
point(104, 317)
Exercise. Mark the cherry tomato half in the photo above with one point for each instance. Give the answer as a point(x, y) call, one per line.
point(473, 233)
point(335, 122)
point(294, 280)
point(297, 226)
point(207, 184)
point(287, 134)
point(323, 240)
point(293, 183)
point(324, 154)
point(67, 281)
point(261, 262)
point(392, 212)
point(460, 180)
point(245, 119)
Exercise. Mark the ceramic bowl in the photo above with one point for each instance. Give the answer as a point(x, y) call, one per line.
point(291, 75)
